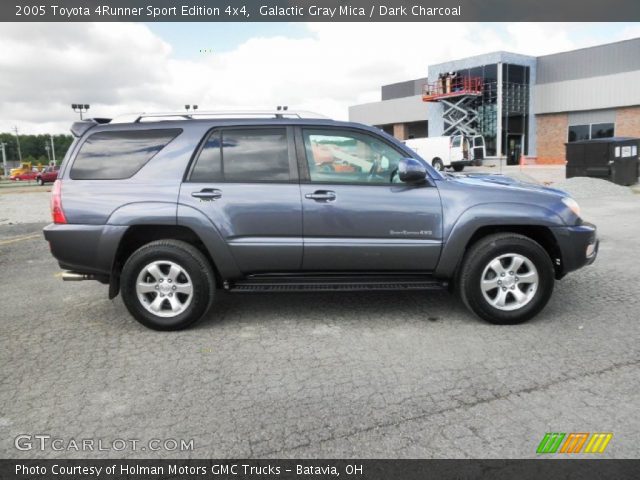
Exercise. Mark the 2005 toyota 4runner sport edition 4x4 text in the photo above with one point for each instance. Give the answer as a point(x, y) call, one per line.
point(168, 208)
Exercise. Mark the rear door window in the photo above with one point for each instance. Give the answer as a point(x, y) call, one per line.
point(116, 155)
point(244, 156)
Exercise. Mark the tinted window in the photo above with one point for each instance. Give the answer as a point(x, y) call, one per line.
point(491, 73)
point(578, 132)
point(118, 155)
point(602, 130)
point(255, 155)
point(208, 167)
point(337, 156)
point(515, 74)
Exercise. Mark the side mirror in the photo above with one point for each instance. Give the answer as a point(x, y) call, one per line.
point(411, 170)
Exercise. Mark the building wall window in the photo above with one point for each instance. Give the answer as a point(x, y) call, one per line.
point(387, 128)
point(578, 132)
point(590, 131)
point(515, 106)
point(417, 129)
point(602, 130)
point(515, 110)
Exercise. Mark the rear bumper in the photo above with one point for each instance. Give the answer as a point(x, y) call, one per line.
point(578, 246)
point(84, 248)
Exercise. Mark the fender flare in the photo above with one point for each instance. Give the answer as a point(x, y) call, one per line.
point(497, 214)
point(210, 236)
point(166, 213)
point(144, 213)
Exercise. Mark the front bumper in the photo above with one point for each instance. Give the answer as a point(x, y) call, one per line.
point(578, 246)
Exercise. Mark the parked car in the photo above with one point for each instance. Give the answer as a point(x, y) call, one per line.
point(452, 151)
point(24, 176)
point(168, 209)
point(48, 175)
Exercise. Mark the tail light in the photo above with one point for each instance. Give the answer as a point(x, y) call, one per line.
point(56, 203)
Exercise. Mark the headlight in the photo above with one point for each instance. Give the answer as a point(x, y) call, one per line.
point(572, 204)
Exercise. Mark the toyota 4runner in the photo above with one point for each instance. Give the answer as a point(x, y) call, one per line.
point(167, 209)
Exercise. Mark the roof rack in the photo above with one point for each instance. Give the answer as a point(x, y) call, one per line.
point(141, 117)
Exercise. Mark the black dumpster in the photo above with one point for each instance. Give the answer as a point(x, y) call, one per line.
point(624, 171)
point(614, 159)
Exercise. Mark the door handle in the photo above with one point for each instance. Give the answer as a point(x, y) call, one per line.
point(208, 194)
point(321, 195)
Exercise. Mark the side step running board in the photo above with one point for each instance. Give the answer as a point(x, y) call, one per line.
point(363, 286)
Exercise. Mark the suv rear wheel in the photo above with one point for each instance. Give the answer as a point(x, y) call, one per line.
point(506, 278)
point(167, 285)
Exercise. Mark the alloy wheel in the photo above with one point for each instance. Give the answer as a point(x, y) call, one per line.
point(509, 282)
point(164, 288)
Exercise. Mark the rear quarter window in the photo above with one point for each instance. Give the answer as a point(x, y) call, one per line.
point(116, 155)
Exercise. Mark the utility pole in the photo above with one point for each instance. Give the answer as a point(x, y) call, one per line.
point(53, 149)
point(4, 159)
point(48, 149)
point(15, 129)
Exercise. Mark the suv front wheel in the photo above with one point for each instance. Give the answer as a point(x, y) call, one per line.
point(167, 285)
point(506, 278)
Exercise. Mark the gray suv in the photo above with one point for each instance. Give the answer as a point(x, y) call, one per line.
point(168, 209)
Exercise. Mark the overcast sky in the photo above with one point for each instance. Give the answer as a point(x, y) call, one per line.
point(325, 67)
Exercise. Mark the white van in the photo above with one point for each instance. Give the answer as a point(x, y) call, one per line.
point(455, 151)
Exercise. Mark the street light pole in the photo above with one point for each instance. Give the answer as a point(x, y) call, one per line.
point(48, 149)
point(15, 129)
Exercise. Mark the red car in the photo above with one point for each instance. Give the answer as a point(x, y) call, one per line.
point(28, 176)
point(49, 174)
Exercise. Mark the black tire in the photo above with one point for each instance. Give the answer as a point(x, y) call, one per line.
point(191, 260)
point(39, 181)
point(458, 168)
point(477, 259)
point(437, 164)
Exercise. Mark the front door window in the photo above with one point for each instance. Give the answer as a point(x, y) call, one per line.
point(342, 156)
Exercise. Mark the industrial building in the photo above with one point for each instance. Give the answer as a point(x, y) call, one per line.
point(522, 105)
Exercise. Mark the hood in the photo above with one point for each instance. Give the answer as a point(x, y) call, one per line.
point(502, 181)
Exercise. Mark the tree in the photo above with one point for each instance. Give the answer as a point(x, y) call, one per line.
point(34, 146)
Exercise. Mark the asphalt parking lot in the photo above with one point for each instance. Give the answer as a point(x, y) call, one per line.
point(392, 375)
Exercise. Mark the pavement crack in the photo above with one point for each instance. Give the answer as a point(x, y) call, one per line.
point(462, 405)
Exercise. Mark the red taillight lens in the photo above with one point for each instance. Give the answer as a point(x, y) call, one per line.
point(56, 203)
